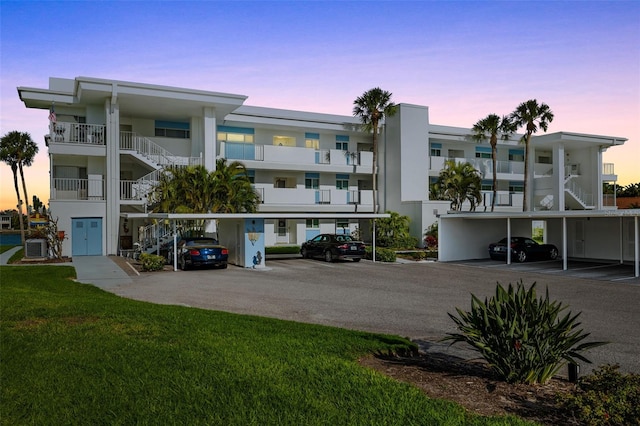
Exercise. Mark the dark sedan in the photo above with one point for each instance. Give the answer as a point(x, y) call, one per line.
point(197, 251)
point(523, 249)
point(332, 247)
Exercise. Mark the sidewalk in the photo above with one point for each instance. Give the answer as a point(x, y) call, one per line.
point(101, 271)
point(4, 257)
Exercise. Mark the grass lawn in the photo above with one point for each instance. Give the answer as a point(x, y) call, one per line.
point(74, 354)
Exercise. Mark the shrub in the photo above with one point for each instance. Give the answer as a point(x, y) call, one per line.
point(152, 262)
point(282, 250)
point(524, 339)
point(382, 254)
point(605, 397)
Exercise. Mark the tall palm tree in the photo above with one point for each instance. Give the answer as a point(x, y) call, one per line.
point(372, 107)
point(531, 116)
point(490, 128)
point(27, 152)
point(9, 154)
point(459, 182)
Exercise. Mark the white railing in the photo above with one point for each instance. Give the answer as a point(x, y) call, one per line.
point(90, 134)
point(303, 196)
point(294, 155)
point(586, 198)
point(608, 169)
point(483, 165)
point(77, 189)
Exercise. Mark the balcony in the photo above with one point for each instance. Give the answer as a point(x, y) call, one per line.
point(297, 158)
point(483, 165)
point(313, 198)
point(608, 173)
point(85, 134)
point(77, 189)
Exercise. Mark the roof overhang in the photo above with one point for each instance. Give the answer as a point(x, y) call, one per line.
point(211, 216)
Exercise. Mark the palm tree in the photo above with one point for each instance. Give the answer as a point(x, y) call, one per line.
point(9, 154)
point(531, 116)
point(489, 128)
point(27, 153)
point(232, 188)
point(459, 182)
point(372, 107)
point(194, 189)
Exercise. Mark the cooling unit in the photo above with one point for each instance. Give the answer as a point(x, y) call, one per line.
point(35, 248)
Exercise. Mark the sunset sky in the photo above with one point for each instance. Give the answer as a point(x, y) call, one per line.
point(464, 60)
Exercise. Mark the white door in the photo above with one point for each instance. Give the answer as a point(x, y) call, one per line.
point(578, 241)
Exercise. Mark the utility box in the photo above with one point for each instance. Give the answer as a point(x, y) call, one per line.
point(35, 248)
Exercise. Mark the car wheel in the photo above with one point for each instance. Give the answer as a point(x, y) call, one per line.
point(328, 256)
point(521, 256)
point(553, 254)
point(356, 259)
point(304, 253)
point(224, 266)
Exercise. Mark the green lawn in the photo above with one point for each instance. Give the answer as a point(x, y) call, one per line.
point(74, 354)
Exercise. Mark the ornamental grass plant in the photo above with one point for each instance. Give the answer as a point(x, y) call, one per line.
point(523, 338)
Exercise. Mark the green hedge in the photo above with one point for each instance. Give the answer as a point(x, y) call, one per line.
point(382, 254)
point(282, 250)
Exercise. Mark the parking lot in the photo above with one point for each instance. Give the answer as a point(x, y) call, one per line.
point(587, 269)
point(406, 299)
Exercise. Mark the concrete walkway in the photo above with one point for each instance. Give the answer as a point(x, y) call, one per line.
point(100, 271)
point(4, 257)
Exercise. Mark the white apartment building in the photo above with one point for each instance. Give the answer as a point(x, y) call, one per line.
point(111, 140)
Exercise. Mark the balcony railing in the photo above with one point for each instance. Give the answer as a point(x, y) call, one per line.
point(90, 134)
point(303, 196)
point(77, 189)
point(294, 155)
point(483, 165)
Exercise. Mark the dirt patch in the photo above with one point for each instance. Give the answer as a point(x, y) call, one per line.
point(44, 261)
point(472, 385)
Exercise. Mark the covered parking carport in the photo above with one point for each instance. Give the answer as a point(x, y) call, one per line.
point(243, 233)
point(605, 235)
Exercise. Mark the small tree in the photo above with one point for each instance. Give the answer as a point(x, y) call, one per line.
point(458, 182)
point(394, 232)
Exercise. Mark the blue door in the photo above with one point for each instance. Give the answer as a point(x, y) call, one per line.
point(86, 237)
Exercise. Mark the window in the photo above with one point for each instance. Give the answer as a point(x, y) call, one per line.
point(312, 180)
point(284, 141)
point(342, 142)
point(312, 140)
point(235, 134)
point(436, 150)
point(313, 223)
point(516, 186)
point(172, 129)
point(543, 159)
point(342, 226)
point(342, 181)
point(483, 152)
point(516, 155)
point(251, 174)
point(486, 185)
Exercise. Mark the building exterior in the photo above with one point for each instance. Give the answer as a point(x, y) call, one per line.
point(110, 140)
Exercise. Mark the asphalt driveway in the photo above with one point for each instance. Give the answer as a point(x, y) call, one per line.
point(406, 299)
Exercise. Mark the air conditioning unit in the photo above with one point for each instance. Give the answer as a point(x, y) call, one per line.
point(35, 248)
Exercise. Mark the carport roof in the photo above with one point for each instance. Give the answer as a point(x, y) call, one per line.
point(196, 216)
point(544, 214)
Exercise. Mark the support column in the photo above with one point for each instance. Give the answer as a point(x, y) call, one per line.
point(558, 173)
point(564, 244)
point(508, 241)
point(210, 139)
point(112, 178)
point(636, 246)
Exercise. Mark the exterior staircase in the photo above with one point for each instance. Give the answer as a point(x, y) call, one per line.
point(574, 193)
point(154, 156)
